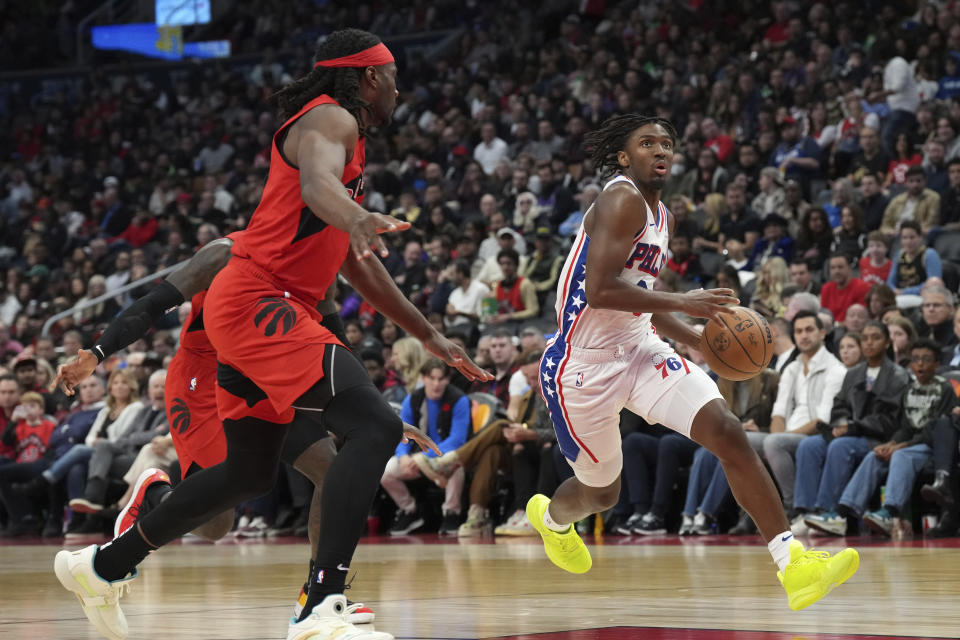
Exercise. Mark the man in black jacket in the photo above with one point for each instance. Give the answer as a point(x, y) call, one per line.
point(863, 416)
point(924, 414)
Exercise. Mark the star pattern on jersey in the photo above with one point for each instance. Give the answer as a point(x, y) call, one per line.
point(577, 301)
point(550, 363)
point(581, 284)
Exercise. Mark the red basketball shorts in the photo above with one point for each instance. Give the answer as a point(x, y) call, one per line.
point(191, 399)
point(274, 341)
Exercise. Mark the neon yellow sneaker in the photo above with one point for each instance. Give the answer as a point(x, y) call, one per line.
point(813, 574)
point(566, 550)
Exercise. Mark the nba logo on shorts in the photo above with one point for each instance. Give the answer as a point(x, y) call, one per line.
point(193, 384)
point(579, 382)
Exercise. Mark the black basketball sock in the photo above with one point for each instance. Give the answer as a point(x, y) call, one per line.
point(155, 494)
point(324, 581)
point(306, 585)
point(114, 559)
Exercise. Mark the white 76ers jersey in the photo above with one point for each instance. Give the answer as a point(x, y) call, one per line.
point(584, 326)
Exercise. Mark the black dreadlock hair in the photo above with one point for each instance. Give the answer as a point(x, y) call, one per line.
point(340, 83)
point(611, 138)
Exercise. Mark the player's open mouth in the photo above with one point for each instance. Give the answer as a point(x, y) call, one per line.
point(660, 168)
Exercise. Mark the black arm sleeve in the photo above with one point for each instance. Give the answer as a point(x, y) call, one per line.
point(136, 320)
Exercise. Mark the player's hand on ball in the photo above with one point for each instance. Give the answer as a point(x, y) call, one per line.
point(709, 303)
point(74, 372)
point(426, 443)
point(365, 233)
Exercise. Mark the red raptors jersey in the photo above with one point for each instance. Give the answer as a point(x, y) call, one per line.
point(285, 238)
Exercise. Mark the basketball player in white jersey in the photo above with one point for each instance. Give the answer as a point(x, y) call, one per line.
point(608, 354)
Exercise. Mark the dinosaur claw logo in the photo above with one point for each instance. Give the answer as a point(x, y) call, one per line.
point(281, 313)
point(179, 416)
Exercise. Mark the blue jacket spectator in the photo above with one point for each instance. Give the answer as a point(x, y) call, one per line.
point(445, 417)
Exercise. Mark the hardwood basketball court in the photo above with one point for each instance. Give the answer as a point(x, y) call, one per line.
point(425, 588)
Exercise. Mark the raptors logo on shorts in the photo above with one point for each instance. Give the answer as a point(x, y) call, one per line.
point(281, 314)
point(179, 416)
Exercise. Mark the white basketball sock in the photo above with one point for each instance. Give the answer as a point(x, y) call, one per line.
point(552, 524)
point(780, 548)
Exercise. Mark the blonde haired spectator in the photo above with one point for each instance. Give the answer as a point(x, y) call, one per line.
point(526, 212)
point(774, 276)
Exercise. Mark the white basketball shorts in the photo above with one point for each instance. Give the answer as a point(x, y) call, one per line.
point(585, 389)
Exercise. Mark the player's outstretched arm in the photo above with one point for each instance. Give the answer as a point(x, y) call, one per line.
point(321, 143)
point(134, 322)
point(371, 280)
point(612, 227)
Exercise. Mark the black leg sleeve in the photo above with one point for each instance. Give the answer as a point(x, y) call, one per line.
point(250, 470)
point(370, 431)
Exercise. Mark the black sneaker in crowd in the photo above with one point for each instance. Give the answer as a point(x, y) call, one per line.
point(405, 523)
point(53, 527)
point(449, 525)
point(651, 525)
point(28, 527)
point(626, 527)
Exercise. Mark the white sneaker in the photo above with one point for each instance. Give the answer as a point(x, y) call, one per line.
point(517, 525)
point(242, 523)
point(99, 598)
point(257, 528)
point(505, 528)
point(686, 527)
point(477, 524)
point(327, 622)
point(798, 527)
point(356, 613)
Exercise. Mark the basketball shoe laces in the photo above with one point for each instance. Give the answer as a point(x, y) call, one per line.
point(811, 556)
point(567, 542)
point(110, 599)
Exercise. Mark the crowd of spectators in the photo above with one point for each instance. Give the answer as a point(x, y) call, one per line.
point(817, 173)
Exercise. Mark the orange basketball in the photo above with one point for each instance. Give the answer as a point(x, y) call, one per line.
point(739, 345)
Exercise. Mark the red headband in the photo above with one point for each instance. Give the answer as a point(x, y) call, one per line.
point(375, 56)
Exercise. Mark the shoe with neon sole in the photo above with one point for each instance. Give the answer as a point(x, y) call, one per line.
point(566, 550)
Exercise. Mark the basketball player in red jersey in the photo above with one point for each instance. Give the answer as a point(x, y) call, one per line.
point(274, 355)
point(191, 380)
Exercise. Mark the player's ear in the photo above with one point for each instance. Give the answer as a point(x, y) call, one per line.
point(622, 159)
